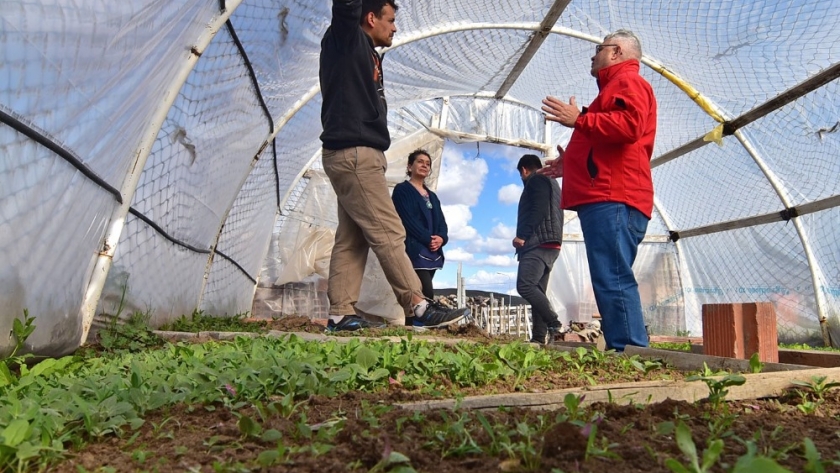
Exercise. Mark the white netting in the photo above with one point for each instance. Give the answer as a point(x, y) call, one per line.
point(190, 181)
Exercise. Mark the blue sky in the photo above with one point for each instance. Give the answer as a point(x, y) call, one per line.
point(479, 190)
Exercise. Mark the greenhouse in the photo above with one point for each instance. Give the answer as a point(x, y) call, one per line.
point(162, 158)
point(172, 151)
point(166, 155)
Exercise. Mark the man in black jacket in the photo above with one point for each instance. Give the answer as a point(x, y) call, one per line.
point(539, 233)
point(355, 137)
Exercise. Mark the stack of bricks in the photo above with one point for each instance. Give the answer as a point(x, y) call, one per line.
point(740, 330)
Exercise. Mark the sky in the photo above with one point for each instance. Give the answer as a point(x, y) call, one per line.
point(479, 190)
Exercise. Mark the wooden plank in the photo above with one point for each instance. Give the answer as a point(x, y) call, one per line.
point(825, 359)
point(692, 362)
point(587, 345)
point(757, 386)
point(670, 339)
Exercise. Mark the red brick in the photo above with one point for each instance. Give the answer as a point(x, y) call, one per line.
point(573, 337)
point(740, 330)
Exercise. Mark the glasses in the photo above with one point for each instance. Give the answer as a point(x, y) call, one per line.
point(601, 47)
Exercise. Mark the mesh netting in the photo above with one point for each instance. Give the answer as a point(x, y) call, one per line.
point(192, 178)
point(771, 269)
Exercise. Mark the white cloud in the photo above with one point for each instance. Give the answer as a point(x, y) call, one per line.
point(510, 154)
point(503, 231)
point(497, 243)
point(461, 177)
point(457, 220)
point(492, 281)
point(442, 284)
point(482, 277)
point(458, 254)
point(499, 260)
point(509, 194)
point(495, 246)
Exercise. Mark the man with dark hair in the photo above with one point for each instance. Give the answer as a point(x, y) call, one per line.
point(354, 117)
point(539, 233)
point(607, 180)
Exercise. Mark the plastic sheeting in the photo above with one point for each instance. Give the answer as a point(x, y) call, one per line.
point(225, 183)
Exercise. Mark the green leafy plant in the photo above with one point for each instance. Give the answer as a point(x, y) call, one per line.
point(815, 463)
point(674, 346)
point(718, 387)
point(198, 321)
point(394, 462)
point(20, 332)
point(686, 445)
point(645, 366)
point(752, 462)
point(805, 346)
point(817, 386)
point(756, 366)
point(593, 447)
point(132, 336)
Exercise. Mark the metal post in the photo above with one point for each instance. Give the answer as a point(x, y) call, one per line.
point(116, 222)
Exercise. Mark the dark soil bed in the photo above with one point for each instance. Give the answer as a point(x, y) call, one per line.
point(630, 438)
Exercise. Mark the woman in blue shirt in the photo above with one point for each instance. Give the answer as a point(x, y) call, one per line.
point(422, 217)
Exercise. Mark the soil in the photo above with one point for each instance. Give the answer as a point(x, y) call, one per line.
point(305, 324)
point(631, 438)
point(369, 426)
point(182, 439)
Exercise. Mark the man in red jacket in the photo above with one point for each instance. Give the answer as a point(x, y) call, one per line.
point(607, 180)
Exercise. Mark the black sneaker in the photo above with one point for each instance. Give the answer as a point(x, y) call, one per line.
point(545, 340)
point(438, 316)
point(554, 334)
point(351, 323)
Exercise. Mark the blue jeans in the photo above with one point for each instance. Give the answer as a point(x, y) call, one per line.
point(612, 232)
point(531, 282)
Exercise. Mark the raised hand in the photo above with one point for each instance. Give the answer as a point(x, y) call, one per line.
point(561, 112)
point(554, 167)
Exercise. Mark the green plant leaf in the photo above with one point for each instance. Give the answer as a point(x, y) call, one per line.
point(665, 428)
point(366, 358)
point(711, 454)
point(27, 450)
point(15, 432)
point(759, 464)
point(675, 466)
point(271, 436)
point(756, 366)
point(686, 444)
point(6, 376)
point(268, 458)
point(248, 427)
point(378, 374)
point(814, 464)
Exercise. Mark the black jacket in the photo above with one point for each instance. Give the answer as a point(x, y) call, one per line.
point(540, 218)
point(354, 112)
point(409, 204)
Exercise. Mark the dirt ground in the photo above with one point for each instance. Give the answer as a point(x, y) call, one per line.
point(305, 324)
point(181, 439)
point(368, 427)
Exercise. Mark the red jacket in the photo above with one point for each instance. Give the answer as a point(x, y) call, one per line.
point(608, 156)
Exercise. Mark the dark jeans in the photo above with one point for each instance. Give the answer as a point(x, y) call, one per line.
point(426, 276)
point(531, 282)
point(612, 232)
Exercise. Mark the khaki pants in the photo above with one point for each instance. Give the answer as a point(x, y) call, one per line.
point(366, 220)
